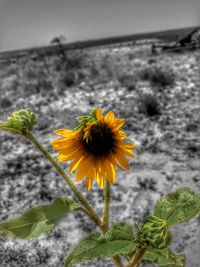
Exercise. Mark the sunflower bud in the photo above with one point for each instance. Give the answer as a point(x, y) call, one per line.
point(19, 122)
point(154, 232)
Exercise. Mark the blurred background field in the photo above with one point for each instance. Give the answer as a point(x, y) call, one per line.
point(158, 95)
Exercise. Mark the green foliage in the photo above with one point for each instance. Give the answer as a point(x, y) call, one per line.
point(164, 257)
point(118, 240)
point(178, 207)
point(19, 122)
point(174, 208)
point(154, 232)
point(38, 220)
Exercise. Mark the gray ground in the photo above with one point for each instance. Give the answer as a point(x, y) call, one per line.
point(168, 145)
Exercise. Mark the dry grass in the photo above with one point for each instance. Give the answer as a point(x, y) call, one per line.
point(157, 76)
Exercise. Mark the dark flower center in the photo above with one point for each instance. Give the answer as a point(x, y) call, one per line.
point(102, 141)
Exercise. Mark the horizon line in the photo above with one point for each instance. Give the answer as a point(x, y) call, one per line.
point(97, 39)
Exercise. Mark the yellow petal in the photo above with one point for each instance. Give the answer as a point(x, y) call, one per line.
point(87, 135)
point(122, 134)
point(62, 158)
point(69, 149)
point(90, 177)
point(60, 143)
point(64, 132)
point(122, 160)
point(82, 169)
point(114, 161)
point(109, 117)
point(110, 171)
point(101, 181)
point(99, 115)
point(129, 153)
point(99, 177)
point(128, 145)
point(118, 123)
point(75, 164)
point(70, 156)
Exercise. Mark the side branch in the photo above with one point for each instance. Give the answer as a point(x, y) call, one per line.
point(137, 258)
point(60, 170)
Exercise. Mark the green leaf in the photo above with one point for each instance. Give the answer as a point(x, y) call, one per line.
point(118, 240)
point(164, 258)
point(178, 207)
point(38, 220)
point(120, 230)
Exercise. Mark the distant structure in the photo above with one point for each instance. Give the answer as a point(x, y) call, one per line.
point(189, 41)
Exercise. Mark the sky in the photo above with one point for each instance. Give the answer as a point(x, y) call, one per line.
point(29, 23)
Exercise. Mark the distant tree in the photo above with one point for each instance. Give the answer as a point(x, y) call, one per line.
point(60, 41)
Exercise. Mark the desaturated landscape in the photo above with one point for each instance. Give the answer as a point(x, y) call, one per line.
point(158, 95)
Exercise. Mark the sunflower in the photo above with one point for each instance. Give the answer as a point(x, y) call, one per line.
point(95, 147)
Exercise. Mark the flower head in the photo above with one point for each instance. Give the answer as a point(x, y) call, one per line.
point(95, 147)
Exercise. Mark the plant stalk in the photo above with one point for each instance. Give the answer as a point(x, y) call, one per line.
point(88, 209)
point(105, 223)
point(117, 261)
point(137, 257)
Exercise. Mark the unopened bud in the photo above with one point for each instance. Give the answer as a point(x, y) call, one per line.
point(154, 232)
point(19, 122)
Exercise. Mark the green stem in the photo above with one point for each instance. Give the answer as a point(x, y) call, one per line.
point(117, 261)
point(106, 207)
point(137, 257)
point(105, 225)
point(88, 209)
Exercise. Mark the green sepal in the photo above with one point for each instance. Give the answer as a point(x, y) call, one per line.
point(178, 207)
point(164, 258)
point(38, 220)
point(93, 113)
point(154, 232)
point(19, 122)
point(83, 120)
point(118, 240)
